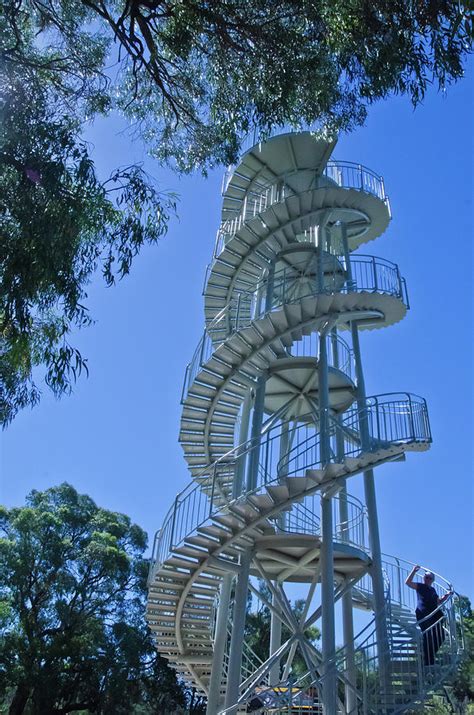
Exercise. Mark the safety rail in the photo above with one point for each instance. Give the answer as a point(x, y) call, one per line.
point(250, 660)
point(343, 174)
point(400, 418)
point(425, 655)
point(349, 519)
point(393, 418)
point(409, 679)
point(291, 284)
point(346, 174)
point(340, 355)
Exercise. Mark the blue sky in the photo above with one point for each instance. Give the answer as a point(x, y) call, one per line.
point(115, 438)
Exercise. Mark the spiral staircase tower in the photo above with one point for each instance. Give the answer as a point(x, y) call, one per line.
point(276, 424)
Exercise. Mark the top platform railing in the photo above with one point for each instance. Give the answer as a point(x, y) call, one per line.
point(343, 174)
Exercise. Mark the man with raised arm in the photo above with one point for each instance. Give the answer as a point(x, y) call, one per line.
point(428, 614)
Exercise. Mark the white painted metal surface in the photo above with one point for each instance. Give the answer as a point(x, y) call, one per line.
point(275, 421)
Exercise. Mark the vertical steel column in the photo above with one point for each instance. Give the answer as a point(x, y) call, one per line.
point(237, 638)
point(327, 609)
point(284, 448)
point(270, 285)
point(256, 434)
point(257, 417)
point(370, 500)
point(275, 643)
point(238, 483)
point(327, 548)
point(220, 639)
point(347, 613)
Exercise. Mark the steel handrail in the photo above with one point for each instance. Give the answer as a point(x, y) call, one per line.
point(377, 426)
point(343, 174)
point(201, 507)
point(331, 167)
point(370, 274)
point(306, 521)
point(207, 345)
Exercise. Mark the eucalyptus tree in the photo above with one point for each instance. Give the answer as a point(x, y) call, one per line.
point(73, 634)
point(200, 74)
point(58, 224)
point(194, 77)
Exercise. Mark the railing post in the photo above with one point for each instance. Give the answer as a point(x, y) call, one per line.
point(201, 353)
point(185, 384)
point(374, 268)
point(153, 557)
point(399, 581)
point(412, 422)
point(426, 419)
point(400, 285)
point(214, 477)
point(377, 420)
point(237, 316)
point(361, 177)
point(176, 501)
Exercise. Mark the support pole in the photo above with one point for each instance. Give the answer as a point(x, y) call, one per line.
point(256, 434)
point(351, 671)
point(347, 612)
point(275, 643)
point(258, 407)
point(327, 549)
point(371, 502)
point(284, 449)
point(237, 638)
point(243, 436)
point(220, 640)
point(327, 611)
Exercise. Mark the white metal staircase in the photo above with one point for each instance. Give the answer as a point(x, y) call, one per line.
point(275, 421)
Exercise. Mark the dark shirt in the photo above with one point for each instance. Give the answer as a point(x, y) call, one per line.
point(427, 600)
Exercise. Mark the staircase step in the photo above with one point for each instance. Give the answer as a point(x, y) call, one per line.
point(190, 551)
point(278, 493)
point(215, 532)
point(205, 542)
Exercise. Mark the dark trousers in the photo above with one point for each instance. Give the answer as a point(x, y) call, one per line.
point(432, 634)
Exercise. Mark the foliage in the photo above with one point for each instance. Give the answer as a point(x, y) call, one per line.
point(58, 222)
point(72, 614)
point(463, 685)
point(458, 695)
point(195, 77)
point(200, 74)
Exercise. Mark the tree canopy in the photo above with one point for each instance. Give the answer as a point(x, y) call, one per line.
point(72, 612)
point(194, 78)
point(59, 222)
point(201, 74)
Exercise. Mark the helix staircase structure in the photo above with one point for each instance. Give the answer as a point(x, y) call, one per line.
point(276, 424)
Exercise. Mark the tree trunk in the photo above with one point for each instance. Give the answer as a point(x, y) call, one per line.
point(20, 699)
